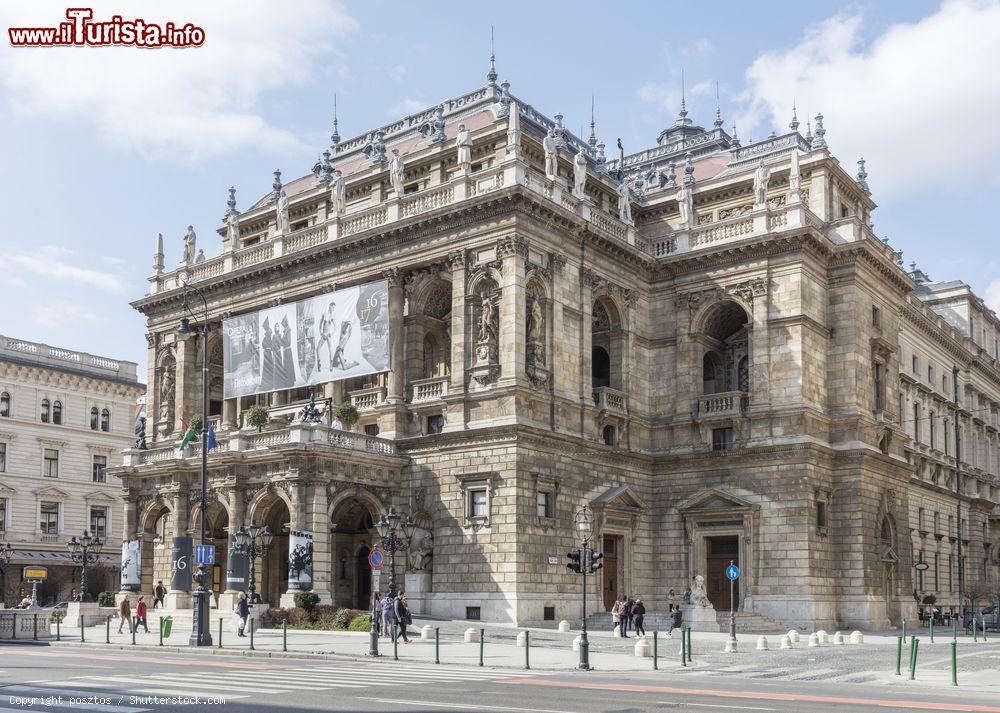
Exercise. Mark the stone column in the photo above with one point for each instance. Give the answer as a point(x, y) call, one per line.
point(180, 521)
point(185, 402)
point(298, 519)
point(229, 416)
point(586, 357)
point(513, 251)
point(130, 519)
point(397, 365)
point(318, 520)
point(458, 335)
point(237, 508)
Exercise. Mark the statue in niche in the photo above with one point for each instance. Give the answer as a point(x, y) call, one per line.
point(165, 424)
point(487, 319)
point(420, 554)
point(190, 246)
point(698, 596)
point(760, 179)
point(536, 320)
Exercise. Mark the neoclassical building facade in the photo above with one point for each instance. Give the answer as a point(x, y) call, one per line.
point(704, 342)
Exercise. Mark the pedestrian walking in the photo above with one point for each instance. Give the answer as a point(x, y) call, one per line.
point(675, 618)
point(616, 615)
point(402, 614)
point(159, 594)
point(377, 612)
point(387, 617)
point(124, 614)
point(628, 613)
point(639, 614)
point(242, 612)
point(140, 615)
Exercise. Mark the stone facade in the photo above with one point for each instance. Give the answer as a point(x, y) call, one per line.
point(65, 417)
point(714, 371)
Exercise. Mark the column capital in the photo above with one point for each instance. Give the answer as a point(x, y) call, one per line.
point(394, 275)
point(512, 245)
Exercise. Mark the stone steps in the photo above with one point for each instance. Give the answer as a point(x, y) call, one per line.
point(746, 622)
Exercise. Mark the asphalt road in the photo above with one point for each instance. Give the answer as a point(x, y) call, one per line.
point(41, 678)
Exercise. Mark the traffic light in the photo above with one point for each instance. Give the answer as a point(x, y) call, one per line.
point(574, 561)
point(595, 561)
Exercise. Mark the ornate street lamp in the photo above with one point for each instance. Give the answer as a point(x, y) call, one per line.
point(201, 634)
point(253, 542)
point(388, 527)
point(6, 552)
point(84, 551)
point(585, 525)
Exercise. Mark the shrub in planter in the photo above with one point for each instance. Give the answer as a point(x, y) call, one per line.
point(341, 619)
point(929, 599)
point(274, 617)
point(298, 617)
point(195, 424)
point(106, 599)
point(306, 600)
point(323, 616)
point(257, 417)
point(346, 414)
point(362, 622)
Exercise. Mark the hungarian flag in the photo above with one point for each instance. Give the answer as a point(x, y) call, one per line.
point(189, 435)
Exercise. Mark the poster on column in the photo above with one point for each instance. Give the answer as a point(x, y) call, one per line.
point(180, 564)
point(333, 336)
point(131, 565)
point(300, 560)
point(237, 568)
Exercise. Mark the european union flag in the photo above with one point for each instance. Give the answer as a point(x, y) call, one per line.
point(212, 443)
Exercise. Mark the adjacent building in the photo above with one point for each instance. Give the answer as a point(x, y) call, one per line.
point(704, 342)
point(65, 417)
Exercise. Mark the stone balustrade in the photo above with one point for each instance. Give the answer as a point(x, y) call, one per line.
point(611, 400)
point(722, 405)
point(430, 389)
point(43, 354)
point(368, 399)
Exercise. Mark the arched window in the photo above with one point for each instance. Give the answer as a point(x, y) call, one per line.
point(105, 420)
point(712, 377)
point(600, 367)
point(45, 410)
point(4, 404)
point(93, 418)
point(57, 412)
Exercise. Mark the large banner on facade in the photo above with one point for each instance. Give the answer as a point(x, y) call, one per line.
point(334, 336)
point(132, 565)
point(237, 568)
point(300, 560)
point(180, 557)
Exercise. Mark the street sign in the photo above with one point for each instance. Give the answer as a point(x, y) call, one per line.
point(376, 580)
point(35, 573)
point(921, 566)
point(733, 572)
point(376, 558)
point(204, 554)
point(553, 559)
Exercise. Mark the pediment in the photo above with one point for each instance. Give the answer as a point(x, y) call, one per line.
point(713, 500)
point(620, 497)
point(99, 495)
point(52, 492)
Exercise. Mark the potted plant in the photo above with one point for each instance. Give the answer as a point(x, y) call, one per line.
point(195, 425)
point(347, 414)
point(258, 417)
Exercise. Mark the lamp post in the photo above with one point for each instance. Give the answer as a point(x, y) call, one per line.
point(6, 552)
point(585, 524)
point(388, 531)
point(84, 551)
point(253, 542)
point(201, 634)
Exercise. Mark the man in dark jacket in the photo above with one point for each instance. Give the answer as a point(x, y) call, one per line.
point(401, 612)
point(159, 592)
point(639, 614)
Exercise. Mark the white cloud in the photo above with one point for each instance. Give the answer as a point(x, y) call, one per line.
point(185, 103)
point(405, 107)
point(62, 264)
point(661, 94)
point(61, 313)
point(901, 101)
point(993, 295)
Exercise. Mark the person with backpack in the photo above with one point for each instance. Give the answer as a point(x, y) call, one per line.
point(124, 614)
point(639, 614)
point(627, 615)
point(242, 612)
point(159, 594)
point(385, 606)
point(402, 615)
point(675, 618)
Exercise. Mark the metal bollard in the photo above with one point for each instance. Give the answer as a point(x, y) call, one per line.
point(904, 628)
point(395, 643)
point(135, 628)
point(982, 620)
point(58, 633)
point(34, 625)
point(932, 628)
point(107, 629)
point(219, 645)
point(251, 634)
point(655, 634)
point(975, 629)
point(954, 664)
point(284, 635)
point(899, 655)
point(437, 644)
point(914, 647)
point(527, 649)
point(482, 639)
point(689, 646)
point(954, 629)
point(683, 649)
point(161, 631)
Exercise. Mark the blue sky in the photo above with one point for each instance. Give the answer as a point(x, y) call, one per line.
point(104, 148)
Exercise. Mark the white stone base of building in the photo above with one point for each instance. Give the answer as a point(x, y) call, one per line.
point(700, 618)
point(417, 586)
point(91, 613)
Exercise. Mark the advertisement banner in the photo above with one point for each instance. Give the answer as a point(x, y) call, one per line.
point(180, 558)
point(237, 568)
point(132, 565)
point(300, 560)
point(333, 336)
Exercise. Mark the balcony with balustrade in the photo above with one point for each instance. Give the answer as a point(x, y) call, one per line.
point(611, 400)
point(727, 404)
point(368, 399)
point(429, 390)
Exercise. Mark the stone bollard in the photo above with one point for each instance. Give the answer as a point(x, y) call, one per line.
point(838, 639)
point(564, 626)
point(472, 635)
point(522, 639)
point(786, 642)
point(823, 637)
point(793, 635)
point(762, 643)
point(813, 640)
point(427, 632)
point(576, 643)
point(617, 632)
point(857, 637)
point(644, 648)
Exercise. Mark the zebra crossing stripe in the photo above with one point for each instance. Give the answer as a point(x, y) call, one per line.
point(44, 692)
point(135, 683)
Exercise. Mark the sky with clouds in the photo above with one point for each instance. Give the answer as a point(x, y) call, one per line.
point(106, 147)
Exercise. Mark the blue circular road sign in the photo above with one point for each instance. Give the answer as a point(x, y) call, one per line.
point(375, 559)
point(733, 572)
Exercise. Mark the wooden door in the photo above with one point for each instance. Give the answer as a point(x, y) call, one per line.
point(721, 550)
point(612, 545)
point(363, 574)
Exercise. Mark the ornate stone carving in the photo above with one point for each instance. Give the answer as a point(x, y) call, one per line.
point(749, 289)
point(457, 259)
point(512, 245)
point(535, 359)
point(394, 276)
point(735, 211)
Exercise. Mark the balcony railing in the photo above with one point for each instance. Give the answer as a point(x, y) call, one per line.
point(724, 405)
point(368, 399)
point(611, 400)
point(430, 389)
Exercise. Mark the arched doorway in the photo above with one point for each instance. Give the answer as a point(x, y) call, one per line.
point(889, 561)
point(725, 338)
point(216, 534)
point(600, 367)
point(353, 525)
point(272, 568)
point(157, 535)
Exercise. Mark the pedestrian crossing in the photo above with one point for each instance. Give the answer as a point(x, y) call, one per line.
point(786, 673)
point(237, 684)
